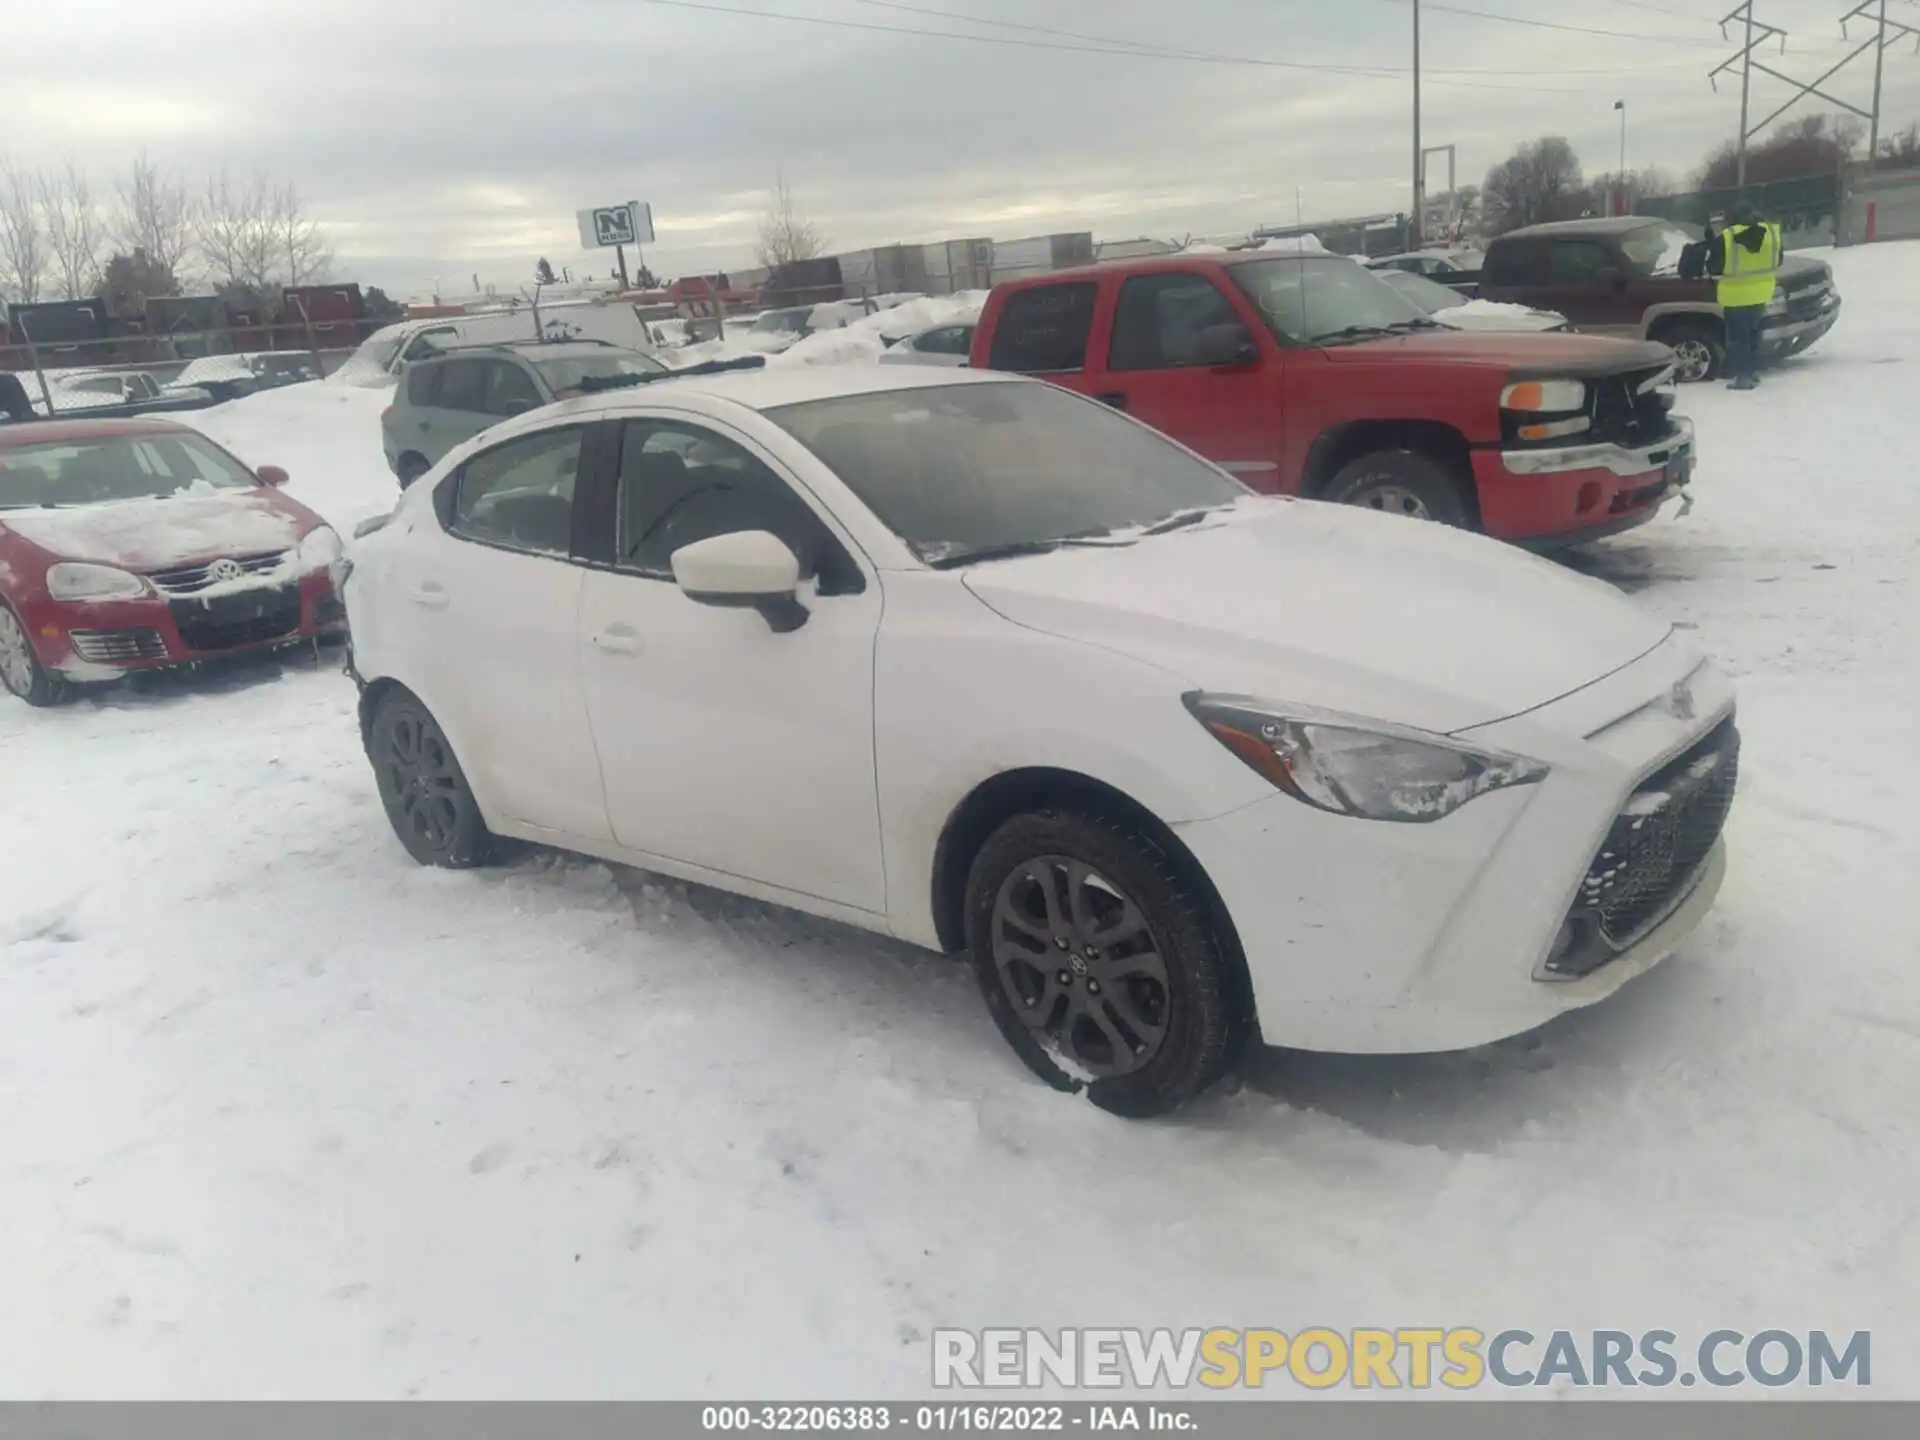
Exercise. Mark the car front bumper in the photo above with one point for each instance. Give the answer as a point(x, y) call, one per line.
point(95, 641)
point(1574, 493)
point(1367, 936)
point(1789, 336)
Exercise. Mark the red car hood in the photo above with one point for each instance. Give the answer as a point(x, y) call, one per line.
point(161, 534)
point(1527, 352)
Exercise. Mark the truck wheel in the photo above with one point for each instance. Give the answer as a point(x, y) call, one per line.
point(1400, 482)
point(1699, 348)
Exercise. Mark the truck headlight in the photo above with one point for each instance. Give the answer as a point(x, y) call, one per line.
point(1550, 397)
point(72, 580)
point(1358, 768)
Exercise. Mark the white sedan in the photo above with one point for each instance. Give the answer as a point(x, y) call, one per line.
point(968, 660)
point(945, 346)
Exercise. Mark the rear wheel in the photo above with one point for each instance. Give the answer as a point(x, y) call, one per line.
point(1098, 962)
point(411, 467)
point(1400, 482)
point(20, 669)
point(1699, 349)
point(423, 788)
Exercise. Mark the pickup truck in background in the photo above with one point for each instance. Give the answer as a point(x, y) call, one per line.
point(1308, 375)
point(1625, 276)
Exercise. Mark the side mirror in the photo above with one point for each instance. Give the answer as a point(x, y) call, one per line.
point(271, 476)
point(749, 570)
point(1230, 344)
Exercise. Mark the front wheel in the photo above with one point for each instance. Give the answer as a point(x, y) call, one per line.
point(1699, 350)
point(1400, 482)
point(20, 669)
point(1098, 962)
point(423, 788)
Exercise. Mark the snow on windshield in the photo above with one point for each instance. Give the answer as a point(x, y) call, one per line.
point(1657, 251)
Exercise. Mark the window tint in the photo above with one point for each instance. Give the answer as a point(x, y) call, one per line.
point(680, 483)
point(422, 382)
point(1577, 262)
point(1044, 328)
point(463, 386)
point(1161, 318)
point(520, 494)
point(510, 390)
point(1521, 262)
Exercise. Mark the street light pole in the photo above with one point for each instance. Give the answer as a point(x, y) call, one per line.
point(1414, 237)
point(1621, 106)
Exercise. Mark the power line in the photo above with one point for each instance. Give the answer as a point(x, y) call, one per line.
point(1663, 10)
point(1147, 47)
point(1557, 25)
point(1194, 57)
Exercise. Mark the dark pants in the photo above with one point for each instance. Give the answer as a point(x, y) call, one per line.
point(1743, 340)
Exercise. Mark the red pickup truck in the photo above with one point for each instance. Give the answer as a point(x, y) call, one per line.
point(1308, 375)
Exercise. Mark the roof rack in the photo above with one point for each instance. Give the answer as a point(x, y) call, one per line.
point(592, 384)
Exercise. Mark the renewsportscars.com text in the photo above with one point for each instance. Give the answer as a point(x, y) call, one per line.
point(1460, 1358)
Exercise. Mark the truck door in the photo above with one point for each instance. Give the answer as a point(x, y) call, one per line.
point(1157, 371)
point(1587, 283)
point(1044, 330)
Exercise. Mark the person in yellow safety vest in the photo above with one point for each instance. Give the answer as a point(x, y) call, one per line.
point(1746, 257)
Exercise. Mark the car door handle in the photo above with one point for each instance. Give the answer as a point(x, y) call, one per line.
point(429, 595)
point(617, 640)
point(1115, 398)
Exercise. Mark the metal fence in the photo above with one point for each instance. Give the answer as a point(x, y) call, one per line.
point(1807, 209)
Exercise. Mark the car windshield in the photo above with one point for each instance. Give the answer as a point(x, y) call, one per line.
point(119, 467)
point(1430, 295)
point(1656, 249)
point(1326, 301)
point(564, 375)
point(961, 472)
point(783, 321)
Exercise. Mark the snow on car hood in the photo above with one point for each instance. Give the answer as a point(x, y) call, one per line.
point(1339, 608)
point(1497, 315)
point(157, 534)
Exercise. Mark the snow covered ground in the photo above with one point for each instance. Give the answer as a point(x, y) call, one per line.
point(283, 1115)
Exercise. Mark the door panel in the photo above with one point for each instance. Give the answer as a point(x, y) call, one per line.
point(721, 743)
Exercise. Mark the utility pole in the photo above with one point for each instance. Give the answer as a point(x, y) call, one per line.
point(1414, 236)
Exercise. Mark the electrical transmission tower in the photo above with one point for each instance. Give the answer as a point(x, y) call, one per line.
point(1758, 33)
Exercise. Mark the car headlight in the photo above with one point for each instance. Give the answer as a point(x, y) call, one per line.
point(320, 549)
point(1358, 768)
point(72, 580)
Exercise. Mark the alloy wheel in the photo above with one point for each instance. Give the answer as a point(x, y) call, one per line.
point(418, 774)
point(1394, 500)
point(16, 654)
point(1080, 965)
point(1693, 360)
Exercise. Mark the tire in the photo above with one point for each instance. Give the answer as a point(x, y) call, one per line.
point(423, 789)
point(1155, 1035)
point(411, 467)
point(1401, 482)
point(20, 669)
point(1699, 347)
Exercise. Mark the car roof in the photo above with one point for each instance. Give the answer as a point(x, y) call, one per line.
point(770, 387)
point(1603, 225)
point(54, 432)
point(543, 349)
point(1159, 264)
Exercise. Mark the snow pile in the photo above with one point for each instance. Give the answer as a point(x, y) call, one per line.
point(1296, 245)
point(863, 341)
point(326, 437)
point(212, 368)
point(1498, 315)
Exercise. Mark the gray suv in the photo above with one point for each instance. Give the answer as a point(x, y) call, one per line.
point(448, 399)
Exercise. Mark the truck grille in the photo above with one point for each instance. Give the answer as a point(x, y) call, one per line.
point(109, 647)
point(191, 579)
point(1652, 857)
point(1632, 409)
point(233, 621)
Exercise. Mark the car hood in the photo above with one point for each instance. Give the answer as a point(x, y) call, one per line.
point(1799, 273)
point(1483, 315)
point(1552, 353)
point(1334, 607)
point(161, 534)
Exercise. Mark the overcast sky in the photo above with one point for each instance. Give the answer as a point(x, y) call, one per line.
point(441, 138)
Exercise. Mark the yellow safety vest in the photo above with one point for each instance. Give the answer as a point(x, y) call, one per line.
point(1747, 276)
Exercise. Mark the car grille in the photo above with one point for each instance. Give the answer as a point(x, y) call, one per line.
point(232, 621)
point(1652, 857)
point(117, 646)
point(191, 579)
point(1631, 412)
point(1810, 302)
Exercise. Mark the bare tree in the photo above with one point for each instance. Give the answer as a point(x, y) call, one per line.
point(153, 213)
point(1540, 181)
point(23, 235)
point(76, 233)
point(299, 244)
point(786, 235)
point(234, 231)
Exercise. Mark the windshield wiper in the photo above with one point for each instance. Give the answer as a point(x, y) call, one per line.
point(1182, 518)
point(1371, 332)
point(1012, 549)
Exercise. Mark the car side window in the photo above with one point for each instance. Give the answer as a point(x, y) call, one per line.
point(947, 340)
point(423, 382)
point(681, 483)
point(1517, 263)
point(519, 495)
point(1576, 262)
point(1161, 318)
point(463, 386)
point(510, 390)
point(1044, 328)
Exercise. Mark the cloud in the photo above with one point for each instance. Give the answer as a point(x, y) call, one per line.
point(438, 137)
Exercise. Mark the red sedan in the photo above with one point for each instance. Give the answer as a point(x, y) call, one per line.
point(139, 544)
